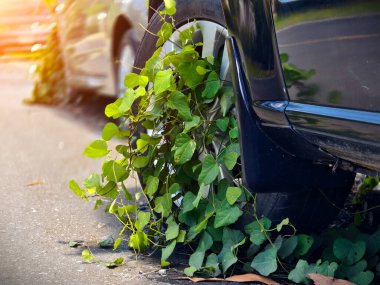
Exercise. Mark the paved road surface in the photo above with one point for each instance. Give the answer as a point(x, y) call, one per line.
point(37, 222)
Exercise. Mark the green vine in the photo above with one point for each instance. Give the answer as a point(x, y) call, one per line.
point(182, 142)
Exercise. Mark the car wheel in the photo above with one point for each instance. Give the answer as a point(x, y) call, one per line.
point(124, 61)
point(309, 211)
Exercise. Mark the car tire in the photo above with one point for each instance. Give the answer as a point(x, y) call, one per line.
point(308, 211)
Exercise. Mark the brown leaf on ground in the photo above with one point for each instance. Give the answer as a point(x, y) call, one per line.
point(237, 278)
point(320, 279)
point(36, 182)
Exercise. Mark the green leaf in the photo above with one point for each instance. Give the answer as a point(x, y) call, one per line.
point(210, 170)
point(75, 243)
point(112, 110)
point(230, 160)
point(127, 195)
point(130, 209)
point(265, 262)
point(163, 81)
point(133, 80)
point(232, 236)
point(181, 236)
point(188, 72)
point(141, 161)
point(325, 268)
point(227, 100)
point(196, 259)
point(77, 190)
point(212, 85)
point(188, 54)
point(304, 244)
point(347, 251)
point(298, 274)
point(228, 259)
point(184, 148)
point(109, 191)
point(202, 225)
point(284, 222)
point(167, 251)
point(138, 241)
point(164, 34)
point(372, 243)
point(142, 145)
point(234, 133)
point(128, 99)
point(349, 271)
point(226, 215)
point(205, 242)
point(163, 204)
point(170, 7)
point(153, 65)
point(222, 124)
point(187, 202)
point(87, 255)
point(173, 229)
point(201, 192)
point(201, 70)
point(117, 262)
point(256, 231)
point(92, 181)
point(109, 131)
point(186, 35)
point(288, 246)
point(363, 278)
point(189, 271)
point(178, 101)
point(106, 243)
point(174, 188)
point(142, 220)
point(151, 186)
point(114, 171)
point(277, 243)
point(212, 263)
point(233, 193)
point(98, 203)
point(96, 149)
point(111, 208)
point(195, 122)
point(117, 243)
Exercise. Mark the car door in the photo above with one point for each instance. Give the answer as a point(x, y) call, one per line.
point(85, 43)
point(337, 44)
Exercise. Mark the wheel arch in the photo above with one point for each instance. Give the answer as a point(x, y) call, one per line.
point(122, 24)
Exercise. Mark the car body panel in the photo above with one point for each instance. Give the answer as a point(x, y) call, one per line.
point(88, 35)
point(340, 119)
point(23, 24)
point(250, 23)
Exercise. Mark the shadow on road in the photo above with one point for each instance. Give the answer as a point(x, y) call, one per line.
point(85, 109)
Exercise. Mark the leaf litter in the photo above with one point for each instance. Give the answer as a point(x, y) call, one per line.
point(250, 277)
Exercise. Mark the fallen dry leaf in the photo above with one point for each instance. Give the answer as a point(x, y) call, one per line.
point(237, 278)
point(36, 182)
point(320, 279)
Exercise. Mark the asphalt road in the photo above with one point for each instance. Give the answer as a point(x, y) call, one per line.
point(45, 145)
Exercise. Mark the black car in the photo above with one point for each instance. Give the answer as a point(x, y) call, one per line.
point(307, 79)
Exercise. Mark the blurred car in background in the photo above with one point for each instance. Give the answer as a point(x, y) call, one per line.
point(23, 24)
point(98, 41)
